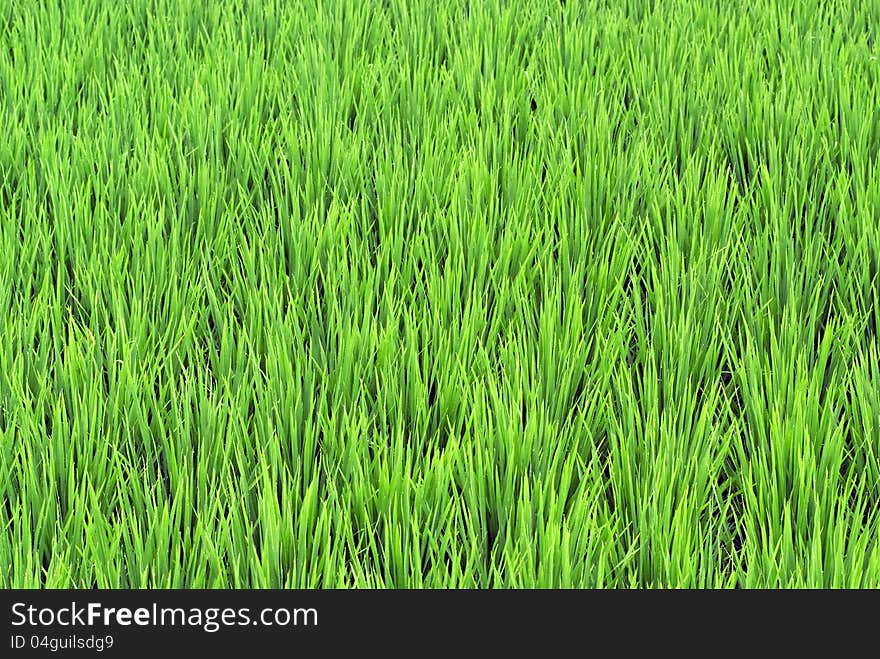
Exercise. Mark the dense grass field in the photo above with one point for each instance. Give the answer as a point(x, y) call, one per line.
point(396, 293)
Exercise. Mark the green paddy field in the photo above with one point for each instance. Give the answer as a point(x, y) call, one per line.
point(460, 294)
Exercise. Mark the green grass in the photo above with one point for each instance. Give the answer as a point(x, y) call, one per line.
point(397, 293)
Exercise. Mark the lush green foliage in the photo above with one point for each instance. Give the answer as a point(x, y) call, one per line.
point(417, 294)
